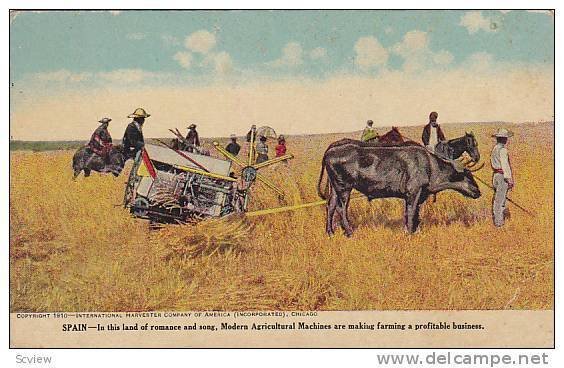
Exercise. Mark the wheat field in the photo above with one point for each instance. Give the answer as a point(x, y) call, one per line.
point(74, 248)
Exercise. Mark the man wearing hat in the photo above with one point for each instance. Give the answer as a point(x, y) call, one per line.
point(369, 133)
point(192, 138)
point(133, 140)
point(101, 140)
point(432, 133)
point(233, 147)
point(502, 175)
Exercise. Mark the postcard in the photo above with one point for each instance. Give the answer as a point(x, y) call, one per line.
point(282, 178)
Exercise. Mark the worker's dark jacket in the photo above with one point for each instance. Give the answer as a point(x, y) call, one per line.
point(427, 134)
point(233, 148)
point(132, 140)
point(250, 135)
point(192, 138)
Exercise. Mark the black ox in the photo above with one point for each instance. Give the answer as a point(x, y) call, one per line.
point(407, 172)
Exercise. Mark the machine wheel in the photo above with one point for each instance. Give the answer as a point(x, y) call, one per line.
point(141, 207)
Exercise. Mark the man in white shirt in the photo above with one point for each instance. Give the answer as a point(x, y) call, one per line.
point(502, 175)
point(432, 133)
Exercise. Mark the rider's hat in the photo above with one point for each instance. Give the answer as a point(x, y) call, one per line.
point(503, 133)
point(139, 113)
point(104, 120)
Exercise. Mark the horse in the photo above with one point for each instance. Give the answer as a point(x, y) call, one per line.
point(395, 138)
point(389, 139)
point(86, 160)
point(448, 150)
point(454, 148)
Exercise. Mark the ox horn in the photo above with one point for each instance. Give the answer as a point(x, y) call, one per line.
point(473, 168)
point(468, 163)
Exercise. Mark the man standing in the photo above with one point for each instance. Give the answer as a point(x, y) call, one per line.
point(133, 140)
point(101, 140)
point(432, 133)
point(369, 133)
point(252, 134)
point(502, 175)
point(281, 146)
point(233, 147)
point(262, 150)
point(192, 138)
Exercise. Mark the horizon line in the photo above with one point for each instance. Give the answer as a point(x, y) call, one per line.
point(314, 134)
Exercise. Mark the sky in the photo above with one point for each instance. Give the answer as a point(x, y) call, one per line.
point(301, 71)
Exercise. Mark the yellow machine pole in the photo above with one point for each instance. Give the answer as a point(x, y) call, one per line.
point(296, 207)
point(284, 209)
point(273, 161)
point(205, 173)
point(260, 178)
point(228, 155)
point(270, 185)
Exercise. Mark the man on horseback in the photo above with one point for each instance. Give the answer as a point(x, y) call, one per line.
point(101, 140)
point(133, 140)
point(99, 154)
point(432, 133)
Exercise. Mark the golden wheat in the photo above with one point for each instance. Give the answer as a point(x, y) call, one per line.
point(74, 248)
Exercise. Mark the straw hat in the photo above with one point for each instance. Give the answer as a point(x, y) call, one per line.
point(139, 113)
point(503, 133)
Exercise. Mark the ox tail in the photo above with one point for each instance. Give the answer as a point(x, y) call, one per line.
point(324, 194)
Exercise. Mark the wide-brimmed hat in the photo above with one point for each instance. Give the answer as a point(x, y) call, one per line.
point(503, 133)
point(139, 113)
point(191, 126)
point(104, 120)
point(233, 136)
